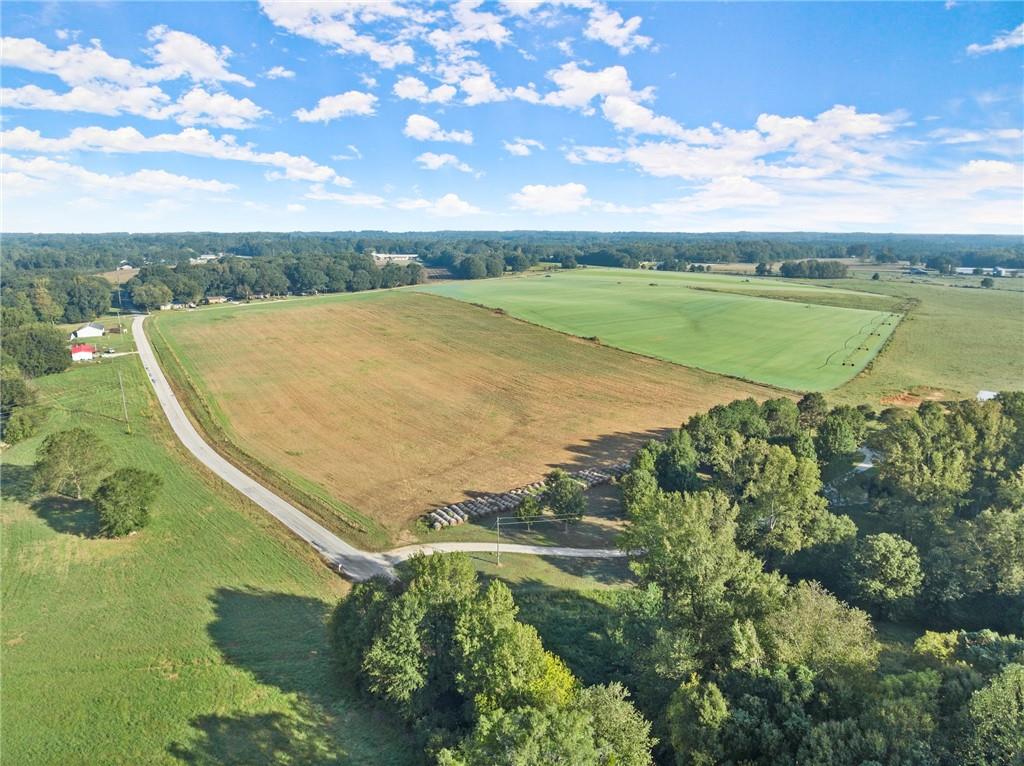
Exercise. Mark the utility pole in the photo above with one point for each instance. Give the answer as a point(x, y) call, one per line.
point(124, 402)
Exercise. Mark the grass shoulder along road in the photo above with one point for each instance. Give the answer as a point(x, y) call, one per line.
point(200, 639)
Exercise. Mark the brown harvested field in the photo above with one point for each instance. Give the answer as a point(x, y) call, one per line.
point(119, 276)
point(395, 402)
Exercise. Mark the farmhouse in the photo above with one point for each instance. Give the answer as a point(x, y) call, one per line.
point(395, 257)
point(91, 330)
point(211, 299)
point(82, 352)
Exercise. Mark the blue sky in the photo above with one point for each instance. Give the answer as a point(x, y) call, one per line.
point(579, 114)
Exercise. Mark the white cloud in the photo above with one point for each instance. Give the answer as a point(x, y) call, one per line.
point(1001, 42)
point(175, 55)
point(199, 107)
point(46, 172)
point(538, 198)
point(447, 206)
point(196, 107)
point(609, 27)
point(423, 128)
point(480, 89)
point(367, 80)
point(603, 24)
point(180, 54)
point(354, 154)
point(346, 104)
point(334, 24)
point(318, 192)
point(625, 114)
point(431, 161)
point(471, 26)
point(279, 73)
point(417, 90)
point(295, 208)
point(191, 141)
point(522, 147)
point(721, 193)
point(577, 88)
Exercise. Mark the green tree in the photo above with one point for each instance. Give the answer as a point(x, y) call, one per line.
point(564, 495)
point(886, 570)
point(622, 735)
point(151, 295)
point(37, 349)
point(502, 663)
point(781, 508)
point(988, 282)
point(818, 631)
point(841, 432)
point(813, 409)
point(557, 736)
point(782, 416)
point(706, 581)
point(69, 462)
point(997, 721)
point(46, 308)
point(123, 500)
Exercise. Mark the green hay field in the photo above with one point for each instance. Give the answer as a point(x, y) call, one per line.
point(199, 640)
point(699, 320)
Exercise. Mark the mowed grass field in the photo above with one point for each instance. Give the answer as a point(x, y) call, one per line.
point(199, 640)
point(698, 320)
point(394, 402)
point(954, 341)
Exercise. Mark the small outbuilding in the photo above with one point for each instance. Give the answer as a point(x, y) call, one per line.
point(91, 330)
point(82, 352)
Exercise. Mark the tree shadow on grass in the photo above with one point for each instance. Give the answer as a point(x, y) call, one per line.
point(68, 516)
point(581, 628)
point(16, 482)
point(281, 639)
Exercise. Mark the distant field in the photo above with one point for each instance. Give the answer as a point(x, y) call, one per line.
point(387, 403)
point(199, 640)
point(955, 341)
point(699, 320)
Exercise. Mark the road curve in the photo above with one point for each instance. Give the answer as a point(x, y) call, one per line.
point(343, 557)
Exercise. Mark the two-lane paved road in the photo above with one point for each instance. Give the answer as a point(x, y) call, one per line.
point(345, 558)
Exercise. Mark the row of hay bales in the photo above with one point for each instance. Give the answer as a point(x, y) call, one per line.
point(506, 502)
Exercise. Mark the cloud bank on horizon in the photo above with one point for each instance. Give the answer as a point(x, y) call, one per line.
point(521, 114)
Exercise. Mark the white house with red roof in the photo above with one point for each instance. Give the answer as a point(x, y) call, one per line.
point(82, 352)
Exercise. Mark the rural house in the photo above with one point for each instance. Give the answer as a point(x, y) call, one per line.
point(82, 352)
point(91, 330)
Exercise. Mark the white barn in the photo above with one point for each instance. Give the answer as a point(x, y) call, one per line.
point(91, 330)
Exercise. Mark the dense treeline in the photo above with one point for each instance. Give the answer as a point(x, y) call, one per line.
point(737, 664)
point(813, 269)
point(85, 252)
point(244, 278)
point(749, 636)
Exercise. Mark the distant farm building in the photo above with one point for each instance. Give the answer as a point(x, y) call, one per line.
point(985, 396)
point(91, 330)
point(82, 352)
point(215, 299)
point(205, 258)
point(395, 257)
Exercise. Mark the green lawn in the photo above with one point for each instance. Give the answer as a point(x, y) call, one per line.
point(699, 320)
point(954, 341)
point(199, 640)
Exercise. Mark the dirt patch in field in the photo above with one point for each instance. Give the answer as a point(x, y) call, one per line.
point(913, 399)
point(399, 402)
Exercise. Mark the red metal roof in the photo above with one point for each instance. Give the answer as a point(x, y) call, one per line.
point(82, 347)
